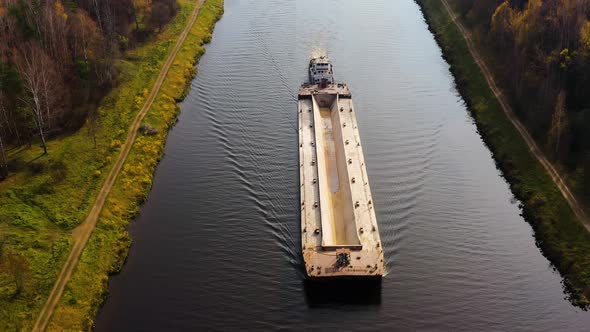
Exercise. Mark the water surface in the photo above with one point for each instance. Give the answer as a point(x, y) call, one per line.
point(216, 246)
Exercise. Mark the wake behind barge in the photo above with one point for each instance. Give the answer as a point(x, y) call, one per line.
point(339, 231)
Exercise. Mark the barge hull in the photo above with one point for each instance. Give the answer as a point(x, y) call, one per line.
point(340, 236)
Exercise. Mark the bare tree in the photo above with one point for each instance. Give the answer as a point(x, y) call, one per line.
point(42, 85)
point(162, 12)
point(93, 124)
point(8, 127)
point(54, 35)
point(559, 120)
point(53, 93)
point(3, 161)
point(3, 124)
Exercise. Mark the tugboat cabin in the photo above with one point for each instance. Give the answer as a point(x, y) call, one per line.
point(320, 71)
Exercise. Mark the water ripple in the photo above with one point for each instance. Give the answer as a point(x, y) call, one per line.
point(217, 244)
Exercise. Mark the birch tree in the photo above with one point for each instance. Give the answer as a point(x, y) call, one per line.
point(54, 36)
point(41, 84)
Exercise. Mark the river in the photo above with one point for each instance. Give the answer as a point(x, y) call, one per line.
point(217, 244)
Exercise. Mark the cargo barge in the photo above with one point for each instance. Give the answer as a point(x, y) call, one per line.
point(339, 231)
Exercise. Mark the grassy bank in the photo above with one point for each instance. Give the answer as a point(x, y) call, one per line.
point(50, 195)
point(559, 235)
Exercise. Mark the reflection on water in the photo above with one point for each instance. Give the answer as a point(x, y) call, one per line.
point(330, 293)
point(217, 244)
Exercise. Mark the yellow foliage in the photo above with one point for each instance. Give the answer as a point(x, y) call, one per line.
point(89, 280)
point(60, 11)
point(115, 144)
point(138, 100)
point(97, 173)
point(502, 18)
point(527, 22)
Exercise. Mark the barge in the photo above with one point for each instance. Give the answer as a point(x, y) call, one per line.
point(339, 231)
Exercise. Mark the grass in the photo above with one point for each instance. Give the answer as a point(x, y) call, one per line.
point(563, 240)
point(50, 195)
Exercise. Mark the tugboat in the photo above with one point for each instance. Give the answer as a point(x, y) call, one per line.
point(320, 71)
point(339, 230)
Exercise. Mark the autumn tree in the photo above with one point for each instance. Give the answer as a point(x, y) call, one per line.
point(57, 60)
point(54, 34)
point(528, 23)
point(162, 12)
point(160, 15)
point(141, 11)
point(113, 18)
point(585, 35)
point(566, 19)
point(87, 47)
point(4, 121)
point(27, 17)
point(481, 9)
point(502, 24)
point(539, 50)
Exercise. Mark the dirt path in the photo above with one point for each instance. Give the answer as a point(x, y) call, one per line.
point(82, 233)
point(557, 179)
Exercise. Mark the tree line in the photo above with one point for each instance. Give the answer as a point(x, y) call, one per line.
point(540, 51)
point(57, 61)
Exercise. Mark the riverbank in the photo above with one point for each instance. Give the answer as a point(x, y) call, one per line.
point(563, 240)
point(40, 206)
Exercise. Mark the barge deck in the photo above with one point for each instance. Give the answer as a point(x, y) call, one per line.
point(340, 235)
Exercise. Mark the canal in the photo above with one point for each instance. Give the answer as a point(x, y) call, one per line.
point(217, 244)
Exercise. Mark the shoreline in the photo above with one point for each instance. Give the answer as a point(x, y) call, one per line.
point(556, 228)
point(132, 187)
point(45, 203)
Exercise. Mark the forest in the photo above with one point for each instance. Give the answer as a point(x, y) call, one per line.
point(540, 54)
point(57, 60)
